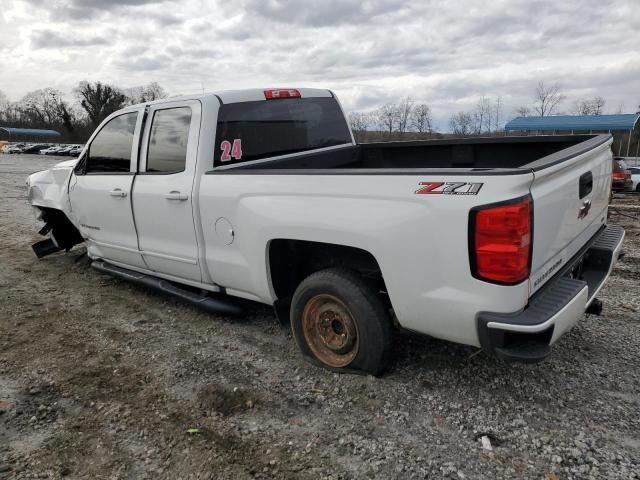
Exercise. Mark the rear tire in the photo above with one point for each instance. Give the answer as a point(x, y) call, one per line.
point(340, 323)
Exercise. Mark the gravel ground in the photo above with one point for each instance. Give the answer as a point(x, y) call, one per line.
point(103, 379)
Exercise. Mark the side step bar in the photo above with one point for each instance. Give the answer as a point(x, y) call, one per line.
point(214, 305)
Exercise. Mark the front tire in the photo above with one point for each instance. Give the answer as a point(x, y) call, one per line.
point(340, 323)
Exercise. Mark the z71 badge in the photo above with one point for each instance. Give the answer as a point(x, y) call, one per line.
point(448, 188)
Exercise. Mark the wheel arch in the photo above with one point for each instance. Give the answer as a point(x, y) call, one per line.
point(60, 228)
point(289, 261)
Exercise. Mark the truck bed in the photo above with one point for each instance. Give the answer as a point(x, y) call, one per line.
point(531, 152)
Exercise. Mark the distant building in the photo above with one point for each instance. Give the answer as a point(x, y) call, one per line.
point(27, 134)
point(554, 124)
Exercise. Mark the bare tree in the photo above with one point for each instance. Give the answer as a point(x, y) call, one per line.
point(547, 98)
point(387, 116)
point(4, 106)
point(154, 91)
point(359, 122)
point(45, 107)
point(523, 111)
point(597, 105)
point(146, 93)
point(590, 106)
point(482, 116)
point(99, 100)
point(9, 111)
point(497, 114)
point(582, 107)
point(421, 119)
point(405, 107)
point(462, 123)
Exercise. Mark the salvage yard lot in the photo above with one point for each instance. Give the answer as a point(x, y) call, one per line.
point(102, 379)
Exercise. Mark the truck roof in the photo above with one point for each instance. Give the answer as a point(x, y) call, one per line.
point(243, 95)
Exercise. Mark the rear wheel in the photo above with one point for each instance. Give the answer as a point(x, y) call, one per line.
point(340, 323)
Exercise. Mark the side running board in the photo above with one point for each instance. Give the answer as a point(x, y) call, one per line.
point(221, 306)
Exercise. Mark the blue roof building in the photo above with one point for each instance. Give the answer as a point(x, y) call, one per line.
point(626, 122)
point(15, 133)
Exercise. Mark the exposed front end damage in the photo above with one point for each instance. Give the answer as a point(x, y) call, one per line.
point(48, 195)
point(62, 233)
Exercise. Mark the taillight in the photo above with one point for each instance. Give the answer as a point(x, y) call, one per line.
point(501, 241)
point(281, 93)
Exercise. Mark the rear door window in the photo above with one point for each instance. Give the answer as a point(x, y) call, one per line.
point(167, 152)
point(249, 131)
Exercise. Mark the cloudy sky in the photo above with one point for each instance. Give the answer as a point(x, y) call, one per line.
point(444, 53)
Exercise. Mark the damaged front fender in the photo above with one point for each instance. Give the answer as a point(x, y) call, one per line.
point(47, 192)
point(49, 188)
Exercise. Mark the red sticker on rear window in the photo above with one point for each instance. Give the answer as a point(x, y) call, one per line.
point(231, 151)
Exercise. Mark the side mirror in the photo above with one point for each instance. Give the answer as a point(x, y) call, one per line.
point(81, 166)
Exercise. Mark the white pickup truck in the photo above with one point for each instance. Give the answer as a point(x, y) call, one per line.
point(499, 243)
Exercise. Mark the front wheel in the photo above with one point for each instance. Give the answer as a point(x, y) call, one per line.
point(339, 322)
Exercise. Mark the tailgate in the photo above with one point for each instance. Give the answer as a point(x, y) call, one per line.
point(570, 194)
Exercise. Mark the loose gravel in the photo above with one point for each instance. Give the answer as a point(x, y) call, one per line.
point(103, 379)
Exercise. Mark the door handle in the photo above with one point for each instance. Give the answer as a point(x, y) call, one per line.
point(175, 195)
point(117, 192)
point(585, 184)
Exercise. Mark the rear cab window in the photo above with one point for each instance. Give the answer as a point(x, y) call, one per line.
point(255, 130)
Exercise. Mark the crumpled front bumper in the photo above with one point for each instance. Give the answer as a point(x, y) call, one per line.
point(527, 335)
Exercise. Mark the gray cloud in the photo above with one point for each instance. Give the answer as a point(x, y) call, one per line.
point(146, 63)
point(325, 13)
point(51, 39)
point(81, 10)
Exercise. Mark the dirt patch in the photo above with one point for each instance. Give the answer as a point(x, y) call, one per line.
point(225, 399)
point(128, 384)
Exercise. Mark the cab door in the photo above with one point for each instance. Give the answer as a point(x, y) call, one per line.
point(162, 200)
point(100, 190)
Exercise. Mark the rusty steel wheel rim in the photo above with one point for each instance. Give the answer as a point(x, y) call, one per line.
point(329, 330)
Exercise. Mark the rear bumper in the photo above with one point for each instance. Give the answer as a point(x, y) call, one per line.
point(527, 335)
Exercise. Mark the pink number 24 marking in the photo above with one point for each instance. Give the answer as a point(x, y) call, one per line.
point(230, 151)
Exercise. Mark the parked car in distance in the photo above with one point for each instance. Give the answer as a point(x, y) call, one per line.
point(50, 151)
point(621, 177)
point(76, 150)
point(13, 149)
point(635, 178)
point(35, 148)
point(64, 150)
